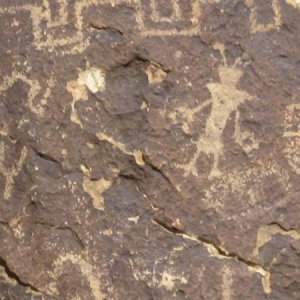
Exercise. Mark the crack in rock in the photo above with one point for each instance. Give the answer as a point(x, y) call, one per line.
point(220, 252)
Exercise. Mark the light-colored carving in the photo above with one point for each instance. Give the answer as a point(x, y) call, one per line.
point(176, 12)
point(86, 270)
point(214, 252)
point(227, 281)
point(225, 99)
point(11, 173)
point(177, 16)
point(266, 232)
point(46, 38)
point(169, 280)
point(292, 135)
point(34, 90)
point(257, 27)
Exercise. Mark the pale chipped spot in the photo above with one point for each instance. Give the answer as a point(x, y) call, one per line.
point(144, 105)
point(107, 232)
point(137, 154)
point(64, 152)
point(85, 170)
point(78, 92)
point(95, 188)
point(134, 219)
point(4, 130)
point(93, 78)
point(90, 145)
point(155, 74)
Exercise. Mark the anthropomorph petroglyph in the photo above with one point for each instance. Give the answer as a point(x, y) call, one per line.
point(12, 172)
point(225, 99)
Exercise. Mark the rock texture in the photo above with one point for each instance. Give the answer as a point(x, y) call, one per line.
point(150, 149)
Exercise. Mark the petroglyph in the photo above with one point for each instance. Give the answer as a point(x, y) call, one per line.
point(34, 90)
point(227, 281)
point(266, 232)
point(12, 172)
point(292, 135)
point(225, 99)
point(59, 19)
point(192, 25)
point(46, 38)
point(86, 269)
point(258, 27)
point(169, 280)
point(176, 12)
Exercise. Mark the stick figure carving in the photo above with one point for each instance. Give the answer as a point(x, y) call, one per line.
point(225, 99)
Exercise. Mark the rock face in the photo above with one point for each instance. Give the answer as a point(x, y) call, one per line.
point(150, 149)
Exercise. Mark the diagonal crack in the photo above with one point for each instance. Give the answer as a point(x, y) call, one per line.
point(63, 228)
point(220, 252)
point(14, 277)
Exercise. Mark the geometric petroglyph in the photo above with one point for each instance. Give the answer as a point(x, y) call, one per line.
point(11, 173)
point(51, 19)
point(87, 270)
point(225, 99)
point(180, 18)
point(58, 26)
point(34, 90)
point(258, 27)
point(292, 134)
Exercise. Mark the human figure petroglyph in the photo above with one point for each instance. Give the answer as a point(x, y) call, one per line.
point(225, 99)
point(12, 172)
